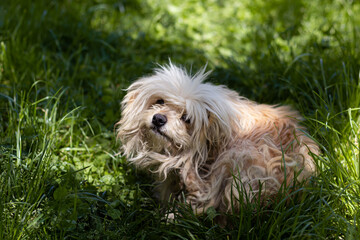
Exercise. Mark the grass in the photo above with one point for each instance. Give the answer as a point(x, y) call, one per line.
point(63, 65)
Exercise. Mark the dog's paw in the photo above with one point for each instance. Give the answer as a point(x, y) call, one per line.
point(169, 217)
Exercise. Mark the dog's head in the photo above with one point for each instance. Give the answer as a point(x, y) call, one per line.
point(173, 113)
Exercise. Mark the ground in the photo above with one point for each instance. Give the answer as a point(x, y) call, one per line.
point(64, 66)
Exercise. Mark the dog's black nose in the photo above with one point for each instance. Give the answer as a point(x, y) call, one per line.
point(159, 120)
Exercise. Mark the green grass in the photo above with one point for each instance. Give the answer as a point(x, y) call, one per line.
point(63, 68)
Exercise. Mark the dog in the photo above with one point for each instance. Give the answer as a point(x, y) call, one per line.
point(202, 141)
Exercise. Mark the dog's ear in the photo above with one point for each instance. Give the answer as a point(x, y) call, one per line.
point(129, 101)
point(211, 138)
point(128, 126)
point(224, 117)
point(218, 131)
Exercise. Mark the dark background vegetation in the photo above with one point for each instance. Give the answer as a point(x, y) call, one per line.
point(64, 66)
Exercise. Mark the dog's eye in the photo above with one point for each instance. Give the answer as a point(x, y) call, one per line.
point(185, 118)
point(160, 101)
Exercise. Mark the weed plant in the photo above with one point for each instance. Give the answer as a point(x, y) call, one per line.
point(63, 68)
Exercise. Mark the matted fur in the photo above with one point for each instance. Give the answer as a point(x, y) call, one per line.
point(221, 135)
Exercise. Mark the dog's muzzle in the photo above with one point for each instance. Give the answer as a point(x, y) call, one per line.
point(159, 120)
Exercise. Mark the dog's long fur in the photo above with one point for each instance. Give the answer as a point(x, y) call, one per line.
point(212, 141)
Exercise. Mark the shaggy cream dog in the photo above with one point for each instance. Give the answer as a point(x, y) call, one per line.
point(203, 141)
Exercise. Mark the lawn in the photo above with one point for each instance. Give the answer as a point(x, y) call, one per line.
point(64, 66)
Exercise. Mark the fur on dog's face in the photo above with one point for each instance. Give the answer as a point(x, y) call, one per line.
point(166, 126)
point(173, 113)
